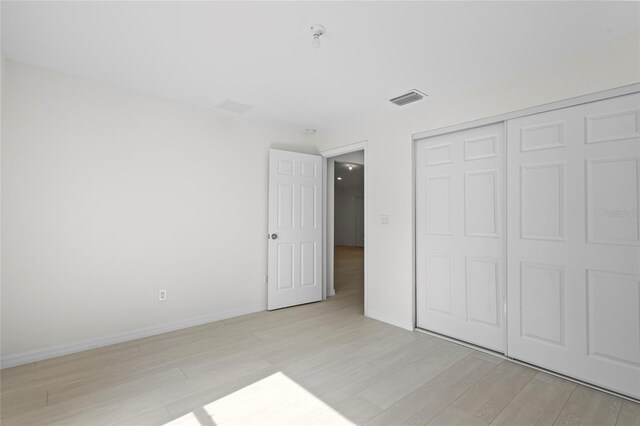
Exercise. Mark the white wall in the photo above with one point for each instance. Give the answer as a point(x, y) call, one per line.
point(345, 215)
point(390, 266)
point(109, 195)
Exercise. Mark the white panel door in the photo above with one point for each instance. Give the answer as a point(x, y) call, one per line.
point(295, 229)
point(460, 235)
point(574, 242)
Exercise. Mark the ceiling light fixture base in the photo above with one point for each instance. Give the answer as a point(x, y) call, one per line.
point(316, 31)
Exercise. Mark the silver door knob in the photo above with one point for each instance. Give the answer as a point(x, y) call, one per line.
point(274, 236)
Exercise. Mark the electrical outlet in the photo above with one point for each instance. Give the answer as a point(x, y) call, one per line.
point(162, 295)
point(384, 219)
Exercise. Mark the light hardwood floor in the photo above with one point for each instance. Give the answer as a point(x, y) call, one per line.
point(323, 363)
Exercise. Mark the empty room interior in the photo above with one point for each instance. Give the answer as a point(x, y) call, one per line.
point(320, 213)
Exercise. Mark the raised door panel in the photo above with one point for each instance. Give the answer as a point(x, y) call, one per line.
point(542, 304)
point(285, 207)
point(285, 262)
point(308, 208)
point(545, 135)
point(481, 204)
point(481, 147)
point(437, 154)
point(286, 167)
point(482, 290)
point(439, 276)
point(615, 126)
point(439, 209)
point(613, 317)
point(612, 201)
point(542, 201)
point(308, 169)
point(308, 264)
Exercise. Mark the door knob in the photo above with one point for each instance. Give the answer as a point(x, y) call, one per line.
point(274, 236)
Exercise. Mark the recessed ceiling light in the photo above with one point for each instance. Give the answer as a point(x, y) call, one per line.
point(350, 167)
point(310, 131)
point(339, 178)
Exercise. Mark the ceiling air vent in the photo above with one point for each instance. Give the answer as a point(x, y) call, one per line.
point(233, 106)
point(407, 98)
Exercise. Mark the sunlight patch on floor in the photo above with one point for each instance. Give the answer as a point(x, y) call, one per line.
point(274, 400)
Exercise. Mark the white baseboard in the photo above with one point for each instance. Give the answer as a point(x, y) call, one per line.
point(83, 345)
point(332, 292)
point(407, 325)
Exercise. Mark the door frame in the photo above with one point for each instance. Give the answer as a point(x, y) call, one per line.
point(355, 209)
point(328, 225)
point(564, 103)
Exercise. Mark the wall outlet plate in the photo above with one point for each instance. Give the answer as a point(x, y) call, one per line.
point(162, 295)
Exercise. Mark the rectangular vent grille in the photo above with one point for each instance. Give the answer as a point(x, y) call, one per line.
point(407, 98)
point(233, 106)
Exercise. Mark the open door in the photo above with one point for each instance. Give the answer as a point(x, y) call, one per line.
point(295, 229)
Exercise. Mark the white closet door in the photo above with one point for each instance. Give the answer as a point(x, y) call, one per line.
point(573, 245)
point(460, 235)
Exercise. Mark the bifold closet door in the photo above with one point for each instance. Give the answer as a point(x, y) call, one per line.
point(460, 235)
point(573, 242)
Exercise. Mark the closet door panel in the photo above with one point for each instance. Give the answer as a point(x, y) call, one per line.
point(460, 235)
point(574, 241)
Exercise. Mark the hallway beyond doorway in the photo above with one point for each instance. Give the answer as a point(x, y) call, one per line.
point(349, 274)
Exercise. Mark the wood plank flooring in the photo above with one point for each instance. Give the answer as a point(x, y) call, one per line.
point(323, 363)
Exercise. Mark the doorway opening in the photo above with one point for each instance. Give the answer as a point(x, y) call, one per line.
point(346, 230)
